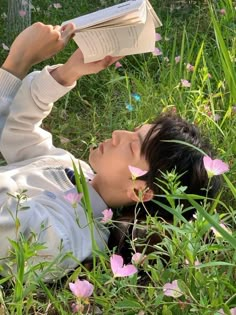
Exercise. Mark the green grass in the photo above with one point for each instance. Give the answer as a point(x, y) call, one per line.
point(203, 37)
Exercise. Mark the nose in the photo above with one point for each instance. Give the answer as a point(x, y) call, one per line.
point(119, 136)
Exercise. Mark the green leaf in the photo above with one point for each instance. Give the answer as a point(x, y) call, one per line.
point(228, 237)
point(166, 310)
point(128, 303)
point(214, 263)
point(230, 185)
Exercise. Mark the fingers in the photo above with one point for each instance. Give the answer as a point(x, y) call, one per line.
point(57, 28)
point(109, 60)
point(106, 61)
point(67, 31)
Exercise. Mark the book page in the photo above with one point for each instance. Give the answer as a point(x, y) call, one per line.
point(155, 18)
point(120, 41)
point(107, 14)
point(131, 18)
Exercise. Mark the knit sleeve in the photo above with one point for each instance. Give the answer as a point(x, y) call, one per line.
point(22, 136)
point(9, 86)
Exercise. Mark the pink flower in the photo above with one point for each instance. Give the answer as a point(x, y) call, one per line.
point(221, 311)
point(119, 269)
point(185, 83)
point(82, 289)
point(177, 59)
point(118, 65)
point(190, 67)
point(57, 5)
point(138, 258)
point(172, 289)
point(107, 215)
point(222, 11)
point(216, 117)
point(76, 308)
point(73, 198)
point(196, 262)
point(217, 234)
point(158, 37)
point(22, 13)
point(214, 167)
point(157, 52)
point(136, 172)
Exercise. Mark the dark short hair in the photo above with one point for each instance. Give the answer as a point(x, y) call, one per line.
point(185, 158)
point(163, 157)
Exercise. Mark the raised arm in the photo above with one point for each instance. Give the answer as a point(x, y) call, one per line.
point(22, 137)
point(35, 44)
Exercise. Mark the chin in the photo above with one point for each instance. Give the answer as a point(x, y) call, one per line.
point(92, 162)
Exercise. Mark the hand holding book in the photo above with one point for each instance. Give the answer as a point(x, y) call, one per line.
point(74, 68)
point(123, 29)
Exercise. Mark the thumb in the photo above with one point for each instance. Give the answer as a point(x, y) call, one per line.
point(106, 62)
point(109, 60)
point(67, 32)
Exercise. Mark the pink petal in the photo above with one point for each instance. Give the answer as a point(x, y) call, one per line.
point(81, 288)
point(107, 215)
point(22, 13)
point(138, 258)
point(73, 198)
point(73, 288)
point(185, 83)
point(118, 65)
point(157, 52)
point(207, 161)
point(158, 37)
point(118, 269)
point(172, 289)
point(219, 167)
point(214, 167)
point(190, 67)
point(177, 59)
point(233, 311)
point(116, 262)
point(222, 11)
point(126, 271)
point(136, 172)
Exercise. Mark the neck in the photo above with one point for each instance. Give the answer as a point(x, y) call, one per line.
point(113, 195)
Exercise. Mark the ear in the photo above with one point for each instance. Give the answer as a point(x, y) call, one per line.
point(138, 191)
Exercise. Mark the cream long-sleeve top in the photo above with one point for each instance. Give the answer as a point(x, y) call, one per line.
point(35, 165)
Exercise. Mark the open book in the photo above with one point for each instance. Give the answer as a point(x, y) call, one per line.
point(123, 29)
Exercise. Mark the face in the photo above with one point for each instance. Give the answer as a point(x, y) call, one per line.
point(111, 158)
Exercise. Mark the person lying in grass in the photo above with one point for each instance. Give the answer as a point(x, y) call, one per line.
point(37, 184)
